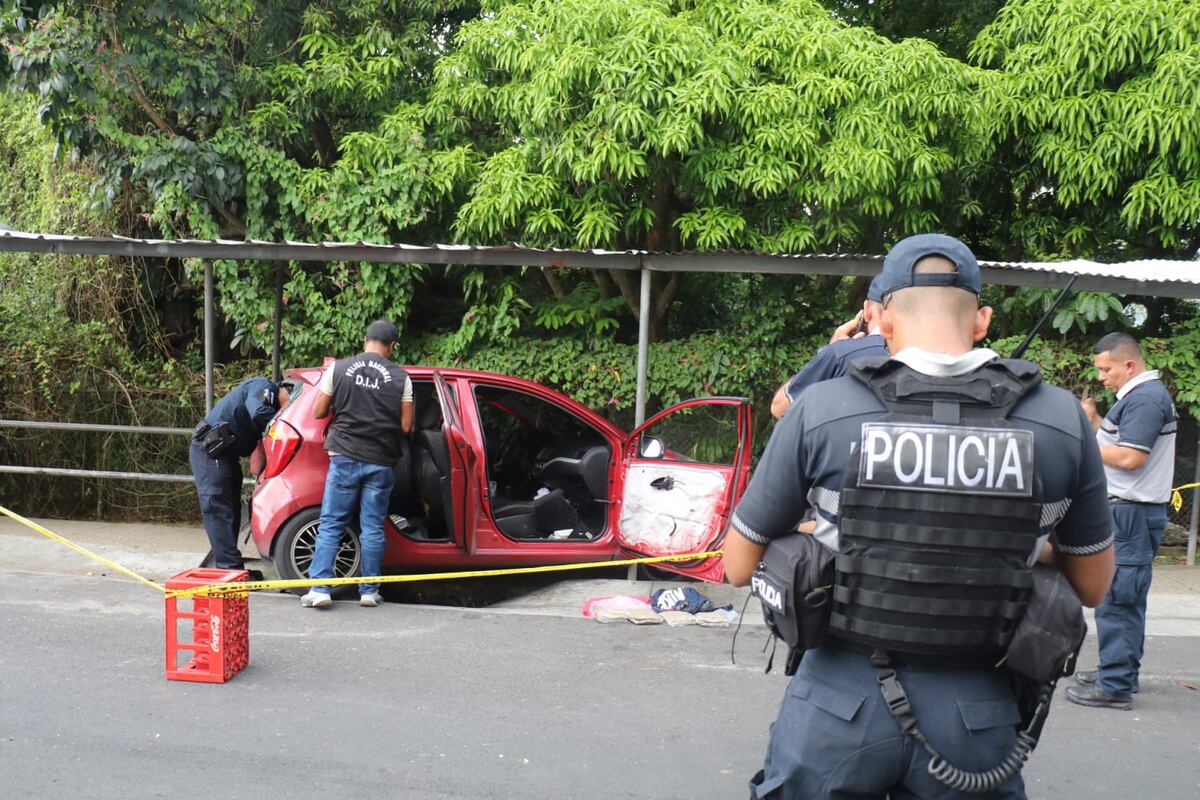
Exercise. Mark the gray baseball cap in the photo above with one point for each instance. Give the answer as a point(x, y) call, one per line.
point(897, 270)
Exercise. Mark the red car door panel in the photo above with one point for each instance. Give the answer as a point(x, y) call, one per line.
point(461, 506)
point(682, 472)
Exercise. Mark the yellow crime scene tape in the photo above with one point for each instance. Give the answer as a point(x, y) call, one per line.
point(81, 550)
point(1177, 498)
point(254, 586)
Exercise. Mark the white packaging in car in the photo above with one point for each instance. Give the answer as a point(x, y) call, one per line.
point(663, 521)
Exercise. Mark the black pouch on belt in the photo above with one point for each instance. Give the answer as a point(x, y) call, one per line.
point(1049, 634)
point(794, 582)
point(218, 440)
point(1044, 646)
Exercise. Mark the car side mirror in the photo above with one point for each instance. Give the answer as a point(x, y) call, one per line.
point(651, 447)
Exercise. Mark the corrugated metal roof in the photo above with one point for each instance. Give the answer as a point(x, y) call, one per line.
point(1143, 276)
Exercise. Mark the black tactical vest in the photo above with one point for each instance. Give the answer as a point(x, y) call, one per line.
point(939, 516)
point(367, 390)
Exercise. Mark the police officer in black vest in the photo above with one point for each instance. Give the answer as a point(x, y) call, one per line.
point(228, 433)
point(940, 476)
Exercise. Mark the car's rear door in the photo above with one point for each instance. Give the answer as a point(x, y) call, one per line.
point(461, 508)
point(681, 473)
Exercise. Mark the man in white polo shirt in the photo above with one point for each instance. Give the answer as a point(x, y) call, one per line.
point(1137, 445)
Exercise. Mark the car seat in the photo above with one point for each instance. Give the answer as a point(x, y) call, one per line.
point(404, 499)
point(537, 518)
point(593, 469)
point(431, 457)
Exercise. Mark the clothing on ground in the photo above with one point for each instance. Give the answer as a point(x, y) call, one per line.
point(683, 598)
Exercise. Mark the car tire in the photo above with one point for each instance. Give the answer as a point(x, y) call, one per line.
point(296, 543)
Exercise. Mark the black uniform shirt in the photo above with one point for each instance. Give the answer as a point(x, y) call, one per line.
point(833, 360)
point(248, 409)
point(806, 457)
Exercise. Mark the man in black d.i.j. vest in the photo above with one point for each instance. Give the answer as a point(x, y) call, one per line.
point(372, 403)
point(939, 476)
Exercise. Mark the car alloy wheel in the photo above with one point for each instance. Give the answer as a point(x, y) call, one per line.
point(304, 546)
point(297, 543)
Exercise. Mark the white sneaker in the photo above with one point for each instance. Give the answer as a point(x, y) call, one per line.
point(370, 600)
point(316, 600)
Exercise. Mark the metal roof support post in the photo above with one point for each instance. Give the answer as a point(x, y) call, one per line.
point(276, 370)
point(643, 355)
point(1191, 545)
point(210, 327)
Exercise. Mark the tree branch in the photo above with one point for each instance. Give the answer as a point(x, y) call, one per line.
point(136, 92)
point(603, 283)
point(666, 296)
point(138, 95)
point(555, 284)
point(624, 280)
point(238, 226)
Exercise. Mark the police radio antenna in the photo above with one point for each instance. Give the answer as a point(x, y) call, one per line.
point(1023, 346)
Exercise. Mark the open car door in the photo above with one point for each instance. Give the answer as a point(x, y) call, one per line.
point(681, 474)
point(459, 508)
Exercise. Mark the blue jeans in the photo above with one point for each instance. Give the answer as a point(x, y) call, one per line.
point(352, 486)
point(1121, 618)
point(835, 737)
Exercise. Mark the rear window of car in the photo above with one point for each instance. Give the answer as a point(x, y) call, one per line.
point(294, 387)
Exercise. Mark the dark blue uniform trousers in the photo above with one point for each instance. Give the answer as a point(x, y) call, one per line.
point(835, 737)
point(219, 484)
point(1121, 618)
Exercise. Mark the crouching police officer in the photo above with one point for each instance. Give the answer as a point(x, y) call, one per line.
point(939, 475)
point(228, 433)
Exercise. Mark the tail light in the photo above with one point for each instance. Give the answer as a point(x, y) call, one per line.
point(281, 443)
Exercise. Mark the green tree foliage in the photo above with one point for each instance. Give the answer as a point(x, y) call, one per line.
point(79, 342)
point(270, 121)
point(660, 124)
point(950, 24)
point(1097, 108)
point(717, 124)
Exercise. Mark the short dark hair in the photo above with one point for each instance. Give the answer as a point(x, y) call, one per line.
point(382, 331)
point(1118, 342)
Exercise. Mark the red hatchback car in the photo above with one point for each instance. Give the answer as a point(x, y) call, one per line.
point(500, 471)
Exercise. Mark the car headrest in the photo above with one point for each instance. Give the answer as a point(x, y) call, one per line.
point(593, 468)
point(429, 415)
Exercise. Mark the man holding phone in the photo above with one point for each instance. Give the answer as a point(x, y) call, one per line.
point(851, 341)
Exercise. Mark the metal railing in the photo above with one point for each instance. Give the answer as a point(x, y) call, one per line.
point(64, 472)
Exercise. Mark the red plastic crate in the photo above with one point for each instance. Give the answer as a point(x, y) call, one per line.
point(220, 628)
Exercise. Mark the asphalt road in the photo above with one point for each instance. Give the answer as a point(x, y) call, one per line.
point(431, 702)
point(527, 700)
